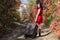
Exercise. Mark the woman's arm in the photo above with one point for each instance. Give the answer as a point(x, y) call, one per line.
point(37, 15)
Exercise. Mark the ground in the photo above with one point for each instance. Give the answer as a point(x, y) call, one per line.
point(18, 34)
point(48, 37)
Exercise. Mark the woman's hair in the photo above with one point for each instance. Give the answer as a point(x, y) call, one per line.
point(40, 6)
point(39, 2)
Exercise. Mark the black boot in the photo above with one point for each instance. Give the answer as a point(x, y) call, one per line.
point(39, 32)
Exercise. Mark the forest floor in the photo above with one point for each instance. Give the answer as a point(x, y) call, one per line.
point(18, 34)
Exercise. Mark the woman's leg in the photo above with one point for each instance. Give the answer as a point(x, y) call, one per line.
point(39, 30)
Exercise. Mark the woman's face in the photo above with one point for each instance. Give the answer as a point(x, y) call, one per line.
point(38, 5)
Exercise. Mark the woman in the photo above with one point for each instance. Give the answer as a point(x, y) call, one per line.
point(38, 18)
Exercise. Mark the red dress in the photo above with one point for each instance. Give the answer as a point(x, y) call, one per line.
point(39, 18)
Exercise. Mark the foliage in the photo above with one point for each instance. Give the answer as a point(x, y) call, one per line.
point(8, 14)
point(32, 2)
point(50, 12)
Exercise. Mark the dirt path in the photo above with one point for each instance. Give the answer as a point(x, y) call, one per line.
point(18, 34)
point(48, 37)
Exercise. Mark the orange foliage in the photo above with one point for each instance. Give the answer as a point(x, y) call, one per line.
point(56, 28)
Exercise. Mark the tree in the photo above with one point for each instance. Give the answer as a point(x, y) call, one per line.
point(8, 14)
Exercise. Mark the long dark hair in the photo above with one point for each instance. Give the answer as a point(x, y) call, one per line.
point(41, 5)
point(40, 2)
